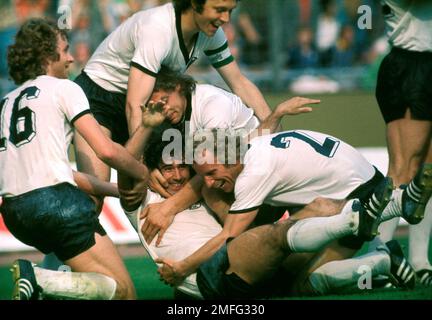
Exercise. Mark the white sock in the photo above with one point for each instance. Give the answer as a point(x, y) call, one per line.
point(394, 207)
point(419, 238)
point(310, 235)
point(51, 262)
point(386, 231)
point(75, 285)
point(348, 273)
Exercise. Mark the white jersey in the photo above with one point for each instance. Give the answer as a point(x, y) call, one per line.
point(293, 168)
point(35, 132)
point(409, 24)
point(148, 40)
point(188, 232)
point(213, 107)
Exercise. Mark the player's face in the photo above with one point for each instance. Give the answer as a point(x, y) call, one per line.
point(176, 174)
point(60, 68)
point(175, 104)
point(215, 13)
point(218, 176)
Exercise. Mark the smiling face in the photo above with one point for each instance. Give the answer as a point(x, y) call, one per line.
point(175, 104)
point(214, 14)
point(219, 176)
point(60, 68)
point(176, 174)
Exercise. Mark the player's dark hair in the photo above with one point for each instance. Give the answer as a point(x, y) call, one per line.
point(183, 5)
point(35, 45)
point(156, 146)
point(167, 80)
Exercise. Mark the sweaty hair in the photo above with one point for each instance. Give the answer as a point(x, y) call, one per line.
point(183, 5)
point(35, 45)
point(167, 80)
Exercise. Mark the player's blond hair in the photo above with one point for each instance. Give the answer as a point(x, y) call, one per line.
point(224, 146)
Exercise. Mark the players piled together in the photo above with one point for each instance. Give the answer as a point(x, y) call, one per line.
point(208, 205)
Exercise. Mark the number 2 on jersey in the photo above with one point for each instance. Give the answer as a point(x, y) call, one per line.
point(22, 125)
point(328, 148)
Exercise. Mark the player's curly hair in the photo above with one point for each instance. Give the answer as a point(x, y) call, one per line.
point(183, 5)
point(35, 45)
point(167, 80)
point(155, 147)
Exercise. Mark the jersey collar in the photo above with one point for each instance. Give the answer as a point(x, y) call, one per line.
point(183, 48)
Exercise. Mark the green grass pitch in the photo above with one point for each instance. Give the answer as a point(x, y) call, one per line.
point(149, 287)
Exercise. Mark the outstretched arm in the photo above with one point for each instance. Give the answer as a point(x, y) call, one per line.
point(245, 89)
point(108, 151)
point(140, 87)
point(292, 106)
point(95, 186)
point(132, 192)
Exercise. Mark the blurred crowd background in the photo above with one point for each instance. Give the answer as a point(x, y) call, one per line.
point(305, 46)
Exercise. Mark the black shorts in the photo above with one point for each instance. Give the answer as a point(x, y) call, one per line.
point(107, 107)
point(404, 81)
point(214, 283)
point(268, 214)
point(60, 219)
point(366, 189)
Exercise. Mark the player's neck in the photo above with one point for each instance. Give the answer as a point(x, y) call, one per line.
point(189, 26)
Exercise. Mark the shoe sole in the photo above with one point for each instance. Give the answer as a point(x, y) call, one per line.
point(426, 185)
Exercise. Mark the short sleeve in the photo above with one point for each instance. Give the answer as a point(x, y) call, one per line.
point(152, 46)
point(217, 112)
point(225, 110)
point(71, 100)
point(218, 51)
point(253, 186)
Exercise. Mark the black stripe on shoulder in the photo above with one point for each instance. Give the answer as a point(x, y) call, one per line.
point(145, 70)
point(215, 51)
point(244, 210)
point(79, 115)
point(223, 62)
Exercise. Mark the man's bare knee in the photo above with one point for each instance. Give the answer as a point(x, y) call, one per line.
point(320, 207)
point(124, 291)
point(327, 207)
